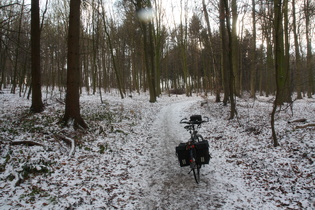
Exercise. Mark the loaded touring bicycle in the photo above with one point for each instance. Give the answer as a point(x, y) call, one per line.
point(195, 152)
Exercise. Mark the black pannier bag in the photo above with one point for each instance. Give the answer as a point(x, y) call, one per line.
point(202, 152)
point(195, 118)
point(182, 154)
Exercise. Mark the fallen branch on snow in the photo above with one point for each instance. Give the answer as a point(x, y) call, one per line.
point(27, 143)
point(297, 120)
point(305, 126)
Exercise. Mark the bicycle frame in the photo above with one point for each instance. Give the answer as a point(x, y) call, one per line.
point(192, 127)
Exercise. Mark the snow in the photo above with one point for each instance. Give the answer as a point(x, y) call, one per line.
point(127, 160)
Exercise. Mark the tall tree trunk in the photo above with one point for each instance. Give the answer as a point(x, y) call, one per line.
point(215, 69)
point(298, 84)
point(224, 57)
point(109, 41)
point(72, 110)
point(230, 56)
point(253, 56)
point(183, 51)
point(281, 74)
point(37, 104)
point(2, 65)
point(310, 81)
point(279, 64)
point(287, 88)
point(270, 69)
point(148, 61)
point(235, 52)
point(17, 52)
point(95, 46)
point(158, 48)
point(149, 48)
point(152, 72)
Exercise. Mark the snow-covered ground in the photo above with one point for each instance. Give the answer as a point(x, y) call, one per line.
point(126, 160)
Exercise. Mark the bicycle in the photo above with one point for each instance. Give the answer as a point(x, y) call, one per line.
point(195, 152)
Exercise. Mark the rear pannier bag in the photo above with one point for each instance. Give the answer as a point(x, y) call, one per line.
point(182, 154)
point(202, 152)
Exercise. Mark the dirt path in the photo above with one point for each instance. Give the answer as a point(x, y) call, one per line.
point(168, 185)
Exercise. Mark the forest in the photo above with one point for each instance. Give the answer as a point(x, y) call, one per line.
point(92, 93)
point(184, 46)
point(214, 47)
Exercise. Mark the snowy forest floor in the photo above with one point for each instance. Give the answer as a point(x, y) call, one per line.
point(127, 160)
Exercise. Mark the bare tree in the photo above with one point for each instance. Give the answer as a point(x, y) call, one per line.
point(235, 50)
point(149, 46)
point(17, 51)
point(308, 15)
point(37, 104)
point(225, 55)
point(279, 65)
point(230, 57)
point(253, 54)
point(297, 55)
point(214, 60)
point(72, 110)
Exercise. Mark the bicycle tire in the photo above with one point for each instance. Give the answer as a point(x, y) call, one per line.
point(196, 172)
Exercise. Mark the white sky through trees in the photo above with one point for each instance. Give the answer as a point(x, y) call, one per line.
point(174, 12)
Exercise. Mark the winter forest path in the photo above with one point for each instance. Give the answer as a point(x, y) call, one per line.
point(168, 185)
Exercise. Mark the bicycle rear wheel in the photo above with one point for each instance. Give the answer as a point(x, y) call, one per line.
point(196, 172)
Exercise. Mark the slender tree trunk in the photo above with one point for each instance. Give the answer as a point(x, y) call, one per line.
point(183, 48)
point(310, 81)
point(149, 49)
point(270, 83)
point(148, 61)
point(235, 52)
point(37, 104)
point(2, 65)
point(95, 43)
point(17, 52)
point(253, 56)
point(298, 84)
point(280, 69)
point(279, 59)
point(216, 70)
point(109, 41)
point(224, 59)
point(230, 56)
point(152, 74)
point(287, 87)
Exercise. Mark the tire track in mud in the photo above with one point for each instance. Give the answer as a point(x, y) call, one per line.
point(169, 185)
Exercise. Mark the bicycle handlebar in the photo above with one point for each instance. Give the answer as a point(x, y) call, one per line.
point(190, 122)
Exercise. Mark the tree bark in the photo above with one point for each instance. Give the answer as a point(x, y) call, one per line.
point(310, 81)
point(298, 84)
point(37, 104)
point(279, 59)
point(287, 85)
point(149, 48)
point(17, 51)
point(72, 110)
point(253, 56)
point(224, 60)
point(109, 41)
point(217, 78)
point(235, 51)
point(230, 56)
